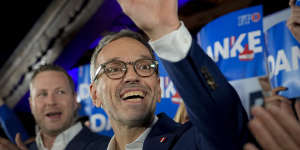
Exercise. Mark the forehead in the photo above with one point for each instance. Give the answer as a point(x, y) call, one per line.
point(50, 79)
point(125, 48)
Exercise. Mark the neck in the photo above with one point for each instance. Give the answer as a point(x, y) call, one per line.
point(48, 140)
point(126, 134)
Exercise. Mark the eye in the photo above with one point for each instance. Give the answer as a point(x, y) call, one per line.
point(42, 94)
point(144, 67)
point(61, 92)
point(114, 69)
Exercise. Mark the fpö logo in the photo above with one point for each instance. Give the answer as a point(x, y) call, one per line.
point(249, 18)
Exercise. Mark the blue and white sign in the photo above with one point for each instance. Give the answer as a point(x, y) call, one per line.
point(283, 56)
point(98, 119)
point(236, 43)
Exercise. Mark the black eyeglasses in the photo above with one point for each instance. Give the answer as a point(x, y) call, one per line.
point(116, 69)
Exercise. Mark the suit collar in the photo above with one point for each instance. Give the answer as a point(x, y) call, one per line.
point(162, 134)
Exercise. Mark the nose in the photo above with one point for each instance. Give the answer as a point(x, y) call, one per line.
point(51, 99)
point(131, 75)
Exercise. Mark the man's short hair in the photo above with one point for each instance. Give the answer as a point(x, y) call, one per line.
point(52, 67)
point(112, 37)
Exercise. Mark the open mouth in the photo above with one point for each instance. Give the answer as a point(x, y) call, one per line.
point(54, 115)
point(133, 96)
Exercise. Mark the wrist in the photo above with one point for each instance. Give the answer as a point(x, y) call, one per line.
point(160, 31)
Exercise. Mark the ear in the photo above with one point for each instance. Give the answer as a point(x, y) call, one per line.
point(77, 105)
point(93, 92)
point(30, 102)
point(158, 91)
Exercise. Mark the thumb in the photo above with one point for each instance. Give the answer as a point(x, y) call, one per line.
point(19, 142)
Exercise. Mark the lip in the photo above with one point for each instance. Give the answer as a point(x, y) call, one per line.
point(123, 92)
point(53, 115)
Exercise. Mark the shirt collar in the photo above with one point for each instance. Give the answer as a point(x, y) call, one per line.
point(62, 140)
point(136, 144)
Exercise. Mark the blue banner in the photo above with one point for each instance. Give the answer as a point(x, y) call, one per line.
point(236, 43)
point(283, 56)
point(98, 119)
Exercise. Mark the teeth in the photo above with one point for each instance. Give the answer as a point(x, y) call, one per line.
point(52, 114)
point(133, 93)
point(133, 100)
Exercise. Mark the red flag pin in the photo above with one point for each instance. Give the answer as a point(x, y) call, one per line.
point(163, 139)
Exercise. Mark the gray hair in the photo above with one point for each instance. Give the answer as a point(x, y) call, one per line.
point(112, 37)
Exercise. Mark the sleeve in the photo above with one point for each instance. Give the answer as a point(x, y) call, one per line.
point(11, 124)
point(213, 105)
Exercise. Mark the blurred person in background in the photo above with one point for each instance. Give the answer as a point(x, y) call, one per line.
point(54, 107)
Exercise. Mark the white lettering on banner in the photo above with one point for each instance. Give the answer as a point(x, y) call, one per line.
point(103, 125)
point(295, 57)
point(248, 18)
point(255, 42)
point(223, 50)
point(282, 63)
point(84, 91)
point(237, 45)
point(167, 87)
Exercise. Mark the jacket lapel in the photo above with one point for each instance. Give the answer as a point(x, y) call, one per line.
point(163, 134)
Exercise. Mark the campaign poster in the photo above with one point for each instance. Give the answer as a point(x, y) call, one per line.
point(236, 43)
point(283, 58)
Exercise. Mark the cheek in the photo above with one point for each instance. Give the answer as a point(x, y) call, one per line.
point(106, 91)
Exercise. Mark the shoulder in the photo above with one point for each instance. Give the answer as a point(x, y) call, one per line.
point(86, 139)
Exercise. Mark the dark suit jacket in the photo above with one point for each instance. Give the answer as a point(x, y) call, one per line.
point(84, 140)
point(217, 118)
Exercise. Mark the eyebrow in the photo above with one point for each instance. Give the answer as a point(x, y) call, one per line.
point(118, 58)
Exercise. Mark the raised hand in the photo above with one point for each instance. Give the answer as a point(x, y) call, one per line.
point(275, 127)
point(155, 17)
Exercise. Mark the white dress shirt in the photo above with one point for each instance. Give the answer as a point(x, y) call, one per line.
point(62, 140)
point(173, 46)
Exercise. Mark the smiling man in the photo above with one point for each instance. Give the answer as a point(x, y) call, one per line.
point(54, 107)
point(126, 84)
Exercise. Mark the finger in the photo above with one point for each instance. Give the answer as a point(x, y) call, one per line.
point(262, 135)
point(19, 142)
point(286, 106)
point(275, 100)
point(250, 146)
point(7, 145)
point(281, 137)
point(289, 123)
point(278, 89)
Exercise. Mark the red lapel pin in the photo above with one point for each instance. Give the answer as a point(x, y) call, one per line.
point(163, 139)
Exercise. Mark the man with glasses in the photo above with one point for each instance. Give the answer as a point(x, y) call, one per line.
point(126, 84)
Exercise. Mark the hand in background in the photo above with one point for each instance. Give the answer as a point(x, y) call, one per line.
point(5, 144)
point(275, 127)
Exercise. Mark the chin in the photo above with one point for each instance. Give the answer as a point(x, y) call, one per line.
point(141, 120)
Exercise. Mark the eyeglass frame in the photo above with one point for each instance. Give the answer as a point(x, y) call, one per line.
point(103, 66)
